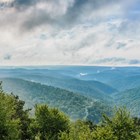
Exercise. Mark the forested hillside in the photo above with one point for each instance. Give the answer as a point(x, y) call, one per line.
point(79, 91)
point(51, 124)
point(129, 82)
point(73, 104)
point(64, 80)
point(130, 99)
point(92, 89)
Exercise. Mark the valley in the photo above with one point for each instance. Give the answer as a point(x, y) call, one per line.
point(79, 91)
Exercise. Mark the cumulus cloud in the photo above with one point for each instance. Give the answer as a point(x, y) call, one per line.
point(98, 32)
point(60, 13)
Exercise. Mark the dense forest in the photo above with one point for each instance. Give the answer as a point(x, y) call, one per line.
point(16, 123)
point(75, 105)
point(81, 92)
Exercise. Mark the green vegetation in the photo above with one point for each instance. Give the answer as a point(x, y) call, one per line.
point(126, 83)
point(73, 104)
point(119, 127)
point(14, 120)
point(131, 99)
point(92, 89)
point(51, 124)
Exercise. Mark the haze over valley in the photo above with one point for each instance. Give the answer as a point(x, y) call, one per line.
point(82, 92)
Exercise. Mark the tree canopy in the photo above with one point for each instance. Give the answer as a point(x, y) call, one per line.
point(51, 124)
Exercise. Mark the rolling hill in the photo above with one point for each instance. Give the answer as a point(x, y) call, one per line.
point(123, 84)
point(130, 99)
point(62, 79)
point(94, 89)
point(79, 91)
point(73, 104)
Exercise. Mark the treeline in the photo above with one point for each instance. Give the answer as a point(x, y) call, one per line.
point(51, 124)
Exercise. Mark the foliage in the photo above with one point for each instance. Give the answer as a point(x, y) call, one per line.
point(121, 124)
point(9, 126)
point(131, 99)
point(23, 116)
point(118, 127)
point(73, 104)
point(103, 133)
point(49, 122)
point(78, 131)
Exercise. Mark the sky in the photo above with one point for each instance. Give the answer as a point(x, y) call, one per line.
point(70, 32)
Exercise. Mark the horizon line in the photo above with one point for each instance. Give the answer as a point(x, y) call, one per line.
point(67, 65)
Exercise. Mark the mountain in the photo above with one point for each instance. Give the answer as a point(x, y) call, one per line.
point(130, 99)
point(63, 79)
point(79, 91)
point(73, 104)
point(92, 89)
point(109, 74)
point(123, 84)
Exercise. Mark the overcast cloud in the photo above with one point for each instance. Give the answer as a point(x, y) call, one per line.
point(84, 32)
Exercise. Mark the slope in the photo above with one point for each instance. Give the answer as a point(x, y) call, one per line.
point(92, 89)
point(73, 104)
point(131, 99)
point(126, 83)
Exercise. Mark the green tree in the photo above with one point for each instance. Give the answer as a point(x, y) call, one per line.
point(9, 127)
point(78, 131)
point(122, 125)
point(103, 133)
point(49, 122)
point(23, 117)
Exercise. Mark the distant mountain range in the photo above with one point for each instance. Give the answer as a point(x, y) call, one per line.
point(81, 92)
point(130, 99)
point(128, 82)
point(73, 104)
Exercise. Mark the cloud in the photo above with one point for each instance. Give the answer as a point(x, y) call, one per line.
point(111, 61)
point(57, 13)
point(20, 3)
point(134, 61)
point(69, 32)
point(7, 57)
point(121, 45)
point(82, 8)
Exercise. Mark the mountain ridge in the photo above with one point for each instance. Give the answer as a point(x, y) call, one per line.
point(73, 104)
